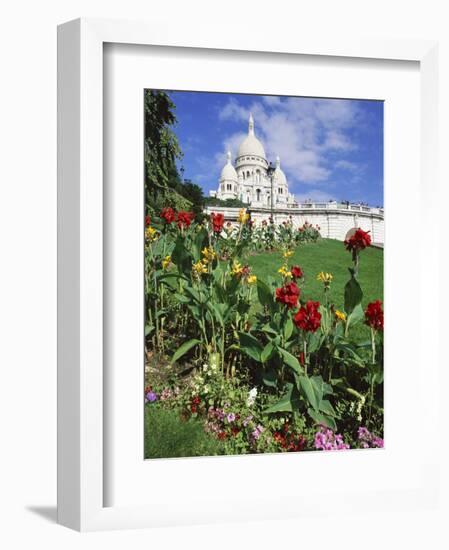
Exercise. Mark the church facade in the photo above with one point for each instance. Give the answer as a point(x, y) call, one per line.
point(264, 189)
point(251, 179)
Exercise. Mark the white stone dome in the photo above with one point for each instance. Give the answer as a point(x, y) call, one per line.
point(251, 146)
point(228, 172)
point(279, 175)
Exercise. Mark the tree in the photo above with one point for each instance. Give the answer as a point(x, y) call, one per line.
point(161, 145)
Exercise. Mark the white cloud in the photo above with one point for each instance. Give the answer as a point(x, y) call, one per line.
point(302, 131)
point(349, 166)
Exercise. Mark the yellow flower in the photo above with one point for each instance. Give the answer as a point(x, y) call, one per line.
point(284, 271)
point(166, 262)
point(151, 234)
point(236, 268)
point(243, 216)
point(288, 254)
point(209, 254)
point(325, 278)
point(252, 280)
point(340, 315)
point(199, 268)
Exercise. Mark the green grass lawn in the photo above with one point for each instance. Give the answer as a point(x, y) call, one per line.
point(330, 256)
point(167, 436)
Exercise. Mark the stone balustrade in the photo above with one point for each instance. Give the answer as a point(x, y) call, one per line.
point(334, 219)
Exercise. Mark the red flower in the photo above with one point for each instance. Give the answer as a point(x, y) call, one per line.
point(360, 240)
point(221, 435)
point(374, 316)
point(168, 214)
point(147, 220)
point(288, 295)
point(217, 222)
point(308, 317)
point(280, 438)
point(296, 271)
point(297, 445)
point(235, 431)
point(184, 219)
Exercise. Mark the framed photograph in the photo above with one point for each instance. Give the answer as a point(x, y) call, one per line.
point(232, 298)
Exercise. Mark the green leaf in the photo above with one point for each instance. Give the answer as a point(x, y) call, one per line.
point(320, 386)
point(308, 390)
point(356, 315)
point(267, 352)
point(270, 329)
point(323, 419)
point(199, 242)
point(184, 349)
point(269, 378)
point(181, 298)
point(148, 329)
point(250, 346)
point(353, 294)
point(327, 408)
point(314, 341)
point(290, 360)
point(288, 328)
point(288, 403)
point(264, 294)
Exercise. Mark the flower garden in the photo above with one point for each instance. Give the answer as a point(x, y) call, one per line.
point(250, 350)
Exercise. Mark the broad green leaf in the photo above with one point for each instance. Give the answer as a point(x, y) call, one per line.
point(307, 389)
point(269, 378)
point(323, 419)
point(199, 242)
point(356, 316)
point(327, 408)
point(291, 360)
point(267, 352)
point(320, 386)
point(181, 298)
point(353, 294)
point(264, 294)
point(288, 403)
point(314, 341)
point(250, 345)
point(288, 328)
point(148, 329)
point(184, 349)
point(270, 329)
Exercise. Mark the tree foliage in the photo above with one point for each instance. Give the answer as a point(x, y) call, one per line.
point(161, 144)
point(163, 185)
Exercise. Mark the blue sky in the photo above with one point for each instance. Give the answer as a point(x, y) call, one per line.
point(329, 148)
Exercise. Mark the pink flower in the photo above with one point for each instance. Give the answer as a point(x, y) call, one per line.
point(327, 440)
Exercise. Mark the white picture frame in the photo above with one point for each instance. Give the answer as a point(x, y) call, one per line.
point(81, 487)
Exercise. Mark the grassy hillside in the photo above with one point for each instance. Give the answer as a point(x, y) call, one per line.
point(330, 256)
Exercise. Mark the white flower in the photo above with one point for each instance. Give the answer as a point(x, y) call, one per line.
point(251, 397)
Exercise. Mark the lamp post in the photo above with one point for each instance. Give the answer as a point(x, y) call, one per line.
point(270, 173)
point(182, 170)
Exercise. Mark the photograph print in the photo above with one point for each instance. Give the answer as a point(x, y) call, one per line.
point(263, 283)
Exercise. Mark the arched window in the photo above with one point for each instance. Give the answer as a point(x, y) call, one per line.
point(229, 187)
point(243, 173)
point(258, 195)
point(280, 191)
point(258, 176)
point(247, 174)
